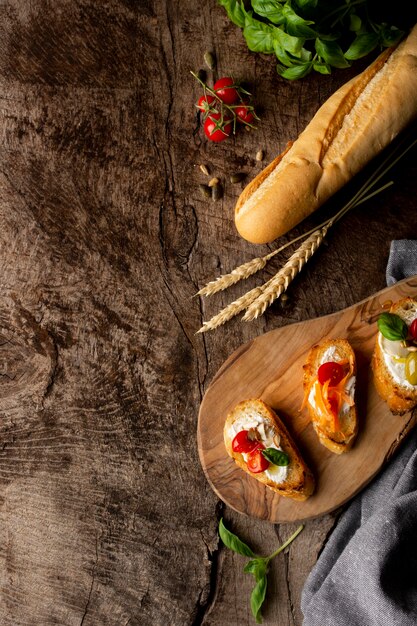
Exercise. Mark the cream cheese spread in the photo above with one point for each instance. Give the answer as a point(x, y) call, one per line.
point(393, 354)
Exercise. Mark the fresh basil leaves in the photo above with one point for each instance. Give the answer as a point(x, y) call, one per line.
point(277, 457)
point(257, 566)
point(392, 327)
point(305, 35)
point(233, 542)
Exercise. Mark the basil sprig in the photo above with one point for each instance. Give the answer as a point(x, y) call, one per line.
point(257, 566)
point(392, 327)
point(308, 35)
point(277, 457)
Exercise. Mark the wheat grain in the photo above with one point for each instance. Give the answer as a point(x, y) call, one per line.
point(232, 309)
point(276, 286)
point(243, 271)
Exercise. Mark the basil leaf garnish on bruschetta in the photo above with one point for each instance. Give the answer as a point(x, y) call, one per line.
point(392, 327)
point(277, 457)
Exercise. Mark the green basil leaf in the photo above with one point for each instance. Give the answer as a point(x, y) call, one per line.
point(392, 327)
point(389, 36)
point(323, 68)
point(271, 9)
point(295, 72)
point(277, 457)
point(361, 46)
point(257, 567)
point(233, 542)
point(290, 44)
point(355, 23)
point(257, 599)
point(234, 10)
point(296, 25)
point(307, 4)
point(259, 36)
point(331, 53)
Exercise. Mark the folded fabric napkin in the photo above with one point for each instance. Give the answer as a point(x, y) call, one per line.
point(367, 572)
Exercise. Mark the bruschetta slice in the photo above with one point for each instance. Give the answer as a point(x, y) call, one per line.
point(329, 390)
point(260, 444)
point(394, 360)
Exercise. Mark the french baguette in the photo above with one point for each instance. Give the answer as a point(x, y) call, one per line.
point(296, 481)
point(337, 434)
point(388, 364)
point(356, 123)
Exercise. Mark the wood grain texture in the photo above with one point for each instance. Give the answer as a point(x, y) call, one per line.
point(271, 368)
point(106, 517)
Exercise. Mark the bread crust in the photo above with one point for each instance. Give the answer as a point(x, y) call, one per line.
point(400, 399)
point(350, 128)
point(300, 483)
point(340, 441)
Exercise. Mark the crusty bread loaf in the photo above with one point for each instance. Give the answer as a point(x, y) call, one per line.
point(399, 397)
point(352, 127)
point(299, 481)
point(339, 440)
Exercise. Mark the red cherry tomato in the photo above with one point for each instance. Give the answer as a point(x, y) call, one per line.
point(413, 329)
point(242, 443)
point(205, 102)
point(224, 88)
point(215, 130)
point(257, 462)
point(330, 371)
point(244, 115)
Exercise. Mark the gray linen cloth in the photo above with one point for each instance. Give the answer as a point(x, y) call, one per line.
point(367, 572)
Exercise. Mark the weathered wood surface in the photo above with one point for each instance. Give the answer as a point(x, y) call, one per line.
point(105, 513)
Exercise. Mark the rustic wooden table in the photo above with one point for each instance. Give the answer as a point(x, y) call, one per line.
point(106, 516)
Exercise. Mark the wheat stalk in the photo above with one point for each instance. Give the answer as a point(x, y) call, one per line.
point(251, 267)
point(231, 310)
point(275, 287)
point(243, 271)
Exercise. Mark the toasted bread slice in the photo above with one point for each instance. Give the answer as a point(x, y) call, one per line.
point(294, 480)
point(337, 433)
point(400, 397)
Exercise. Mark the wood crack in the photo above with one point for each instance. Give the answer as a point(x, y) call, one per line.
point(207, 596)
point(93, 577)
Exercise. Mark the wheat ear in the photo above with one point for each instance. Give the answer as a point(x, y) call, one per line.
point(276, 286)
point(243, 271)
point(231, 310)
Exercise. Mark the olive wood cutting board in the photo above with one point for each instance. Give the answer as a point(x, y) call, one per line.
point(271, 367)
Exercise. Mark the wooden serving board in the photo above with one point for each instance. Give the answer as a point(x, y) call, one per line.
point(271, 367)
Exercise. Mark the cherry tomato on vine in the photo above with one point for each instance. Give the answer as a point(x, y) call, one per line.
point(216, 130)
point(242, 443)
point(257, 462)
point(244, 115)
point(413, 329)
point(225, 89)
point(330, 371)
point(205, 102)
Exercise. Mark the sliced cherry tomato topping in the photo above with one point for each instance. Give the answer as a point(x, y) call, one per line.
point(257, 462)
point(332, 371)
point(242, 443)
point(244, 115)
point(205, 103)
point(226, 90)
point(216, 129)
point(413, 329)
